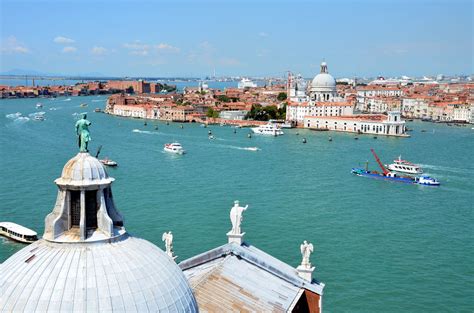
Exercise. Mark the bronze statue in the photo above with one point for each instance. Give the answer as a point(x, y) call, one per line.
point(82, 131)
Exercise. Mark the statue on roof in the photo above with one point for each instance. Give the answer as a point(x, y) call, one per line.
point(236, 217)
point(167, 237)
point(306, 249)
point(82, 131)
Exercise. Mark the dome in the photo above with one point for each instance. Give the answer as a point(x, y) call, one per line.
point(83, 169)
point(323, 80)
point(129, 274)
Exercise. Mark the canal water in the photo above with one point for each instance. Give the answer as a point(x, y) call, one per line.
point(379, 246)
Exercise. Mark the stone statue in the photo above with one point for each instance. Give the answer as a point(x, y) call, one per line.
point(168, 239)
point(306, 249)
point(236, 217)
point(82, 131)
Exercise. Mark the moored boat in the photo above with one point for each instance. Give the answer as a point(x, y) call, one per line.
point(18, 232)
point(174, 147)
point(269, 129)
point(39, 105)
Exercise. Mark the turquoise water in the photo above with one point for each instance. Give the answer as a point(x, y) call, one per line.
point(379, 246)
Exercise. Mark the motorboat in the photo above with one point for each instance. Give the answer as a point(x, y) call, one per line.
point(83, 105)
point(39, 117)
point(251, 149)
point(404, 166)
point(108, 162)
point(17, 232)
point(269, 129)
point(39, 105)
point(174, 147)
point(426, 180)
point(97, 110)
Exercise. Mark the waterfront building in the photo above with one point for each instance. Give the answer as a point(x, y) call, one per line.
point(322, 98)
point(232, 115)
point(377, 124)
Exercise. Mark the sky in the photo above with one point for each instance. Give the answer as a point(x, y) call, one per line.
point(250, 38)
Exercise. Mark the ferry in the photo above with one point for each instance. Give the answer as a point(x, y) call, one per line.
point(174, 147)
point(108, 162)
point(17, 232)
point(246, 83)
point(404, 166)
point(270, 129)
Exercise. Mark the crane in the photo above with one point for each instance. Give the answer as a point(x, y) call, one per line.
point(384, 170)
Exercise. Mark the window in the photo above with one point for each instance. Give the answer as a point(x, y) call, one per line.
point(75, 207)
point(91, 209)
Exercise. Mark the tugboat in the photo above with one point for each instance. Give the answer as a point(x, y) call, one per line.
point(174, 147)
point(387, 175)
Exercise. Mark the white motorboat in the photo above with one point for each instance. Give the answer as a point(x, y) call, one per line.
point(251, 148)
point(426, 180)
point(269, 129)
point(108, 162)
point(404, 166)
point(39, 117)
point(17, 232)
point(39, 105)
point(174, 147)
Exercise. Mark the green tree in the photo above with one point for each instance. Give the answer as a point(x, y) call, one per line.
point(281, 96)
point(223, 98)
point(212, 113)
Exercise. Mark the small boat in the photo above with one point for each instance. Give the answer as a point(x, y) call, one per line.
point(145, 124)
point(423, 130)
point(97, 110)
point(39, 105)
point(83, 105)
point(252, 149)
point(156, 127)
point(249, 135)
point(17, 232)
point(108, 162)
point(174, 147)
point(211, 137)
point(404, 166)
point(375, 137)
point(39, 117)
point(304, 140)
point(330, 138)
point(356, 138)
point(270, 129)
point(426, 180)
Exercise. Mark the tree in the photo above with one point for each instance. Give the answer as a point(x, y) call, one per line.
point(212, 113)
point(281, 96)
point(223, 98)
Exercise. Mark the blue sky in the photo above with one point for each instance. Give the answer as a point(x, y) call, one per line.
point(192, 38)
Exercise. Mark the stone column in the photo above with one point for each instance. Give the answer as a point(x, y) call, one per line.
point(82, 223)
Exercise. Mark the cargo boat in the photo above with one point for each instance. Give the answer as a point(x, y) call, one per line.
point(387, 175)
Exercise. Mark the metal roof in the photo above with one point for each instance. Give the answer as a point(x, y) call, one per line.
point(244, 278)
point(130, 275)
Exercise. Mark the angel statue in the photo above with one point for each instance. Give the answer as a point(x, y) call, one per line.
point(306, 249)
point(168, 239)
point(236, 217)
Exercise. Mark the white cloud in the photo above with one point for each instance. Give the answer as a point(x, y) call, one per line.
point(69, 49)
point(137, 48)
point(98, 50)
point(263, 34)
point(167, 47)
point(63, 40)
point(12, 46)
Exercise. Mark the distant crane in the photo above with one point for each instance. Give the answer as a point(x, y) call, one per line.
point(385, 171)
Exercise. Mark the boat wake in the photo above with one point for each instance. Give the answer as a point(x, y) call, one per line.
point(445, 168)
point(239, 148)
point(68, 99)
point(13, 116)
point(96, 100)
point(54, 108)
point(33, 115)
point(143, 132)
point(17, 117)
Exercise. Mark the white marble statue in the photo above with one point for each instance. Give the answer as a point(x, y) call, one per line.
point(306, 249)
point(168, 239)
point(236, 217)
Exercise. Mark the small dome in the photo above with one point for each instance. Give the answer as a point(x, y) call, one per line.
point(83, 169)
point(130, 274)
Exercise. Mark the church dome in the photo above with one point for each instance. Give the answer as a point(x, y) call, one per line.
point(83, 169)
point(128, 274)
point(323, 82)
